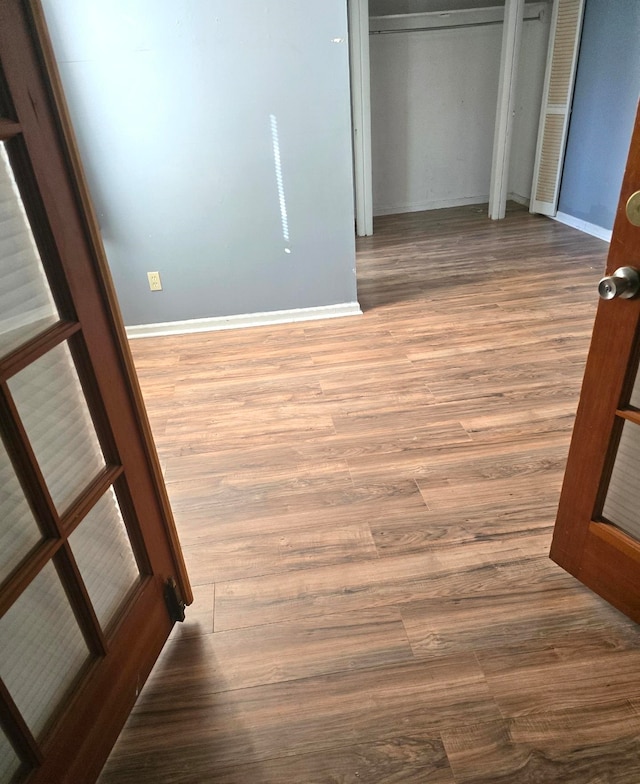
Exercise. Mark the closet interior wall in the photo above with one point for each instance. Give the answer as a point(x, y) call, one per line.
point(433, 108)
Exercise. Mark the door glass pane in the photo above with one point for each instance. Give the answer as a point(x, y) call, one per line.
point(622, 503)
point(26, 304)
point(18, 529)
point(103, 552)
point(42, 649)
point(9, 761)
point(54, 412)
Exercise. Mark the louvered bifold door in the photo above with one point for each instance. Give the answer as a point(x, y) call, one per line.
point(85, 550)
point(564, 43)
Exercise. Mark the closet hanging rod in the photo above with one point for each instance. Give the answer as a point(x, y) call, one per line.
point(450, 27)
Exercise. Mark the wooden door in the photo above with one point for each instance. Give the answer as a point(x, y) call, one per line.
point(597, 532)
point(91, 574)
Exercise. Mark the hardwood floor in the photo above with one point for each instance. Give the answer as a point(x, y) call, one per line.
point(365, 506)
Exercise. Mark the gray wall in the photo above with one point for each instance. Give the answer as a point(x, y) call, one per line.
point(604, 105)
point(172, 102)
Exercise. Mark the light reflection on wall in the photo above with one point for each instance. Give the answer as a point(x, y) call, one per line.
point(278, 165)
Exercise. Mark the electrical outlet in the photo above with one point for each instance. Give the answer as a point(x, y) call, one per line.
point(155, 284)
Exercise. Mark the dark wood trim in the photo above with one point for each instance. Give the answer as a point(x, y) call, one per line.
point(70, 577)
point(17, 730)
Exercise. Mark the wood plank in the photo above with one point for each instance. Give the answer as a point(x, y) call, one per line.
point(568, 683)
point(300, 716)
point(266, 553)
point(354, 586)
point(275, 653)
point(411, 759)
point(554, 747)
point(495, 626)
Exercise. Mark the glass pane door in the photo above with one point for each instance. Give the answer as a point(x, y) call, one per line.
point(26, 303)
point(19, 533)
point(42, 649)
point(55, 415)
point(105, 558)
point(88, 547)
point(67, 563)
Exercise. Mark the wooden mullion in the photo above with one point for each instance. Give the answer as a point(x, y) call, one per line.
point(35, 348)
point(23, 574)
point(630, 415)
point(88, 499)
point(607, 469)
point(94, 400)
point(45, 550)
point(8, 129)
point(76, 590)
point(16, 729)
point(26, 466)
point(129, 516)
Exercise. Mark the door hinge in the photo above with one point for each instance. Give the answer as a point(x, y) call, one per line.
point(173, 600)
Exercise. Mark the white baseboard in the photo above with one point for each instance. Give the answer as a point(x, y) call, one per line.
point(587, 228)
point(439, 204)
point(524, 200)
point(432, 204)
point(243, 320)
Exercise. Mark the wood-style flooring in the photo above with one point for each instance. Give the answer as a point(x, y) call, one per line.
point(366, 506)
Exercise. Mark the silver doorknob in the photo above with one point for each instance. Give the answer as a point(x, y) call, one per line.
point(625, 283)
